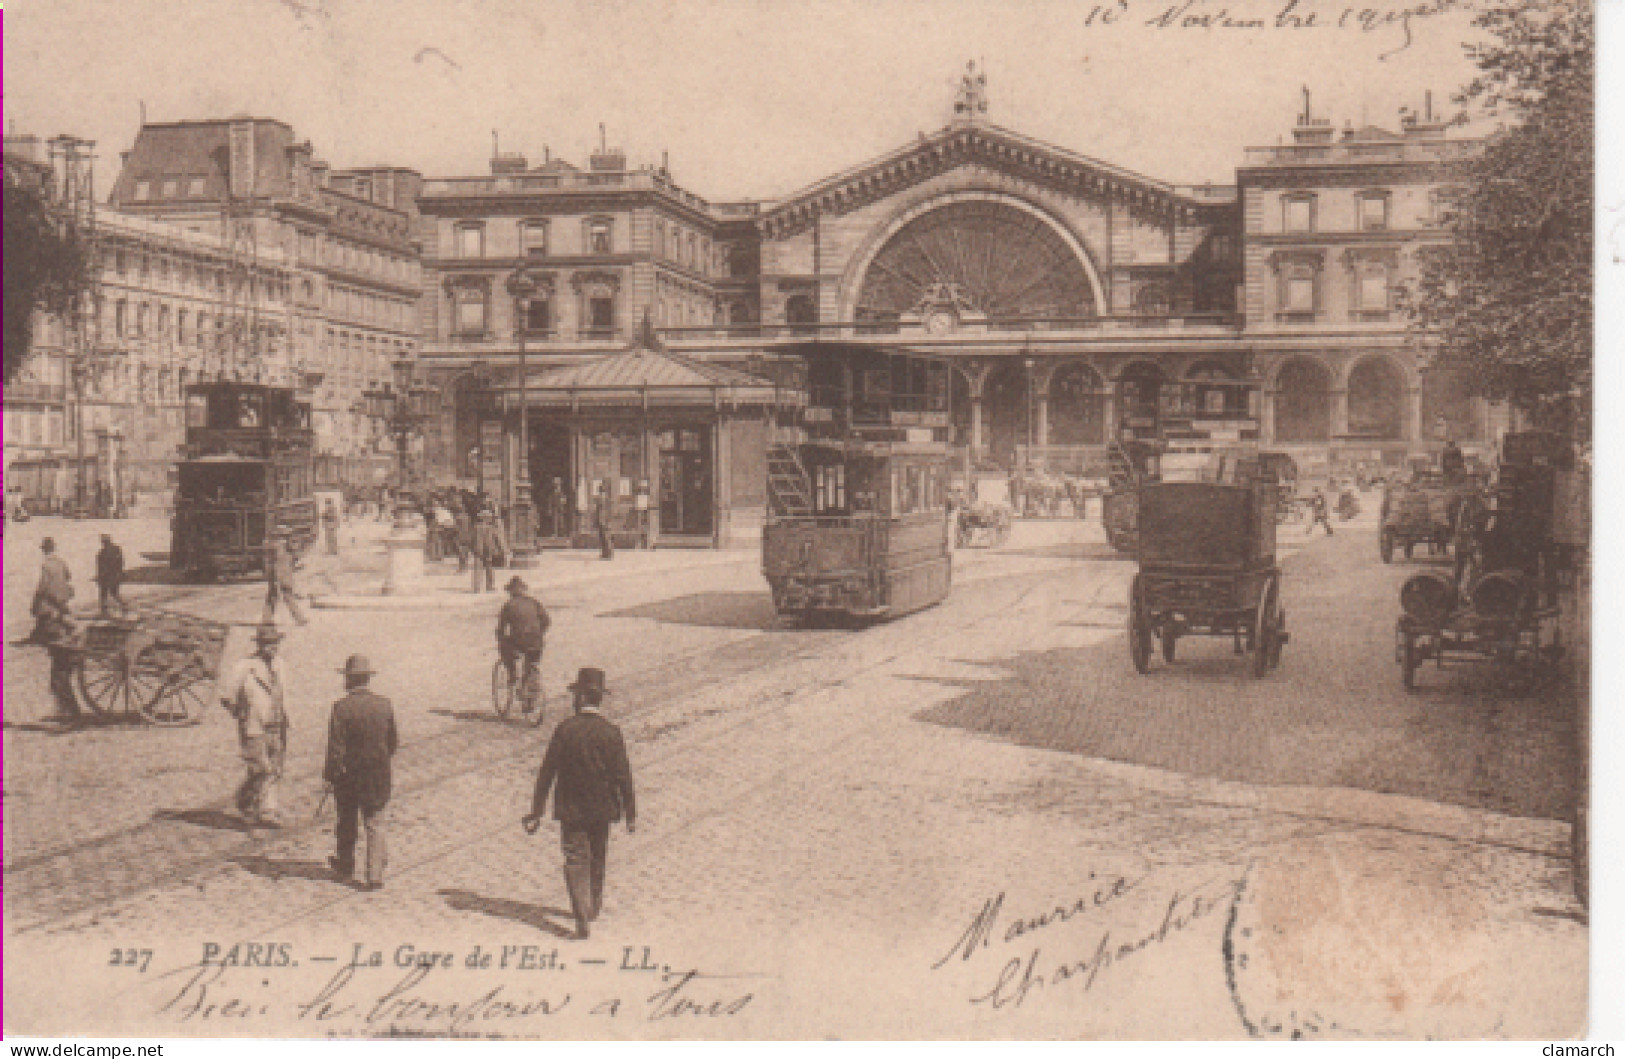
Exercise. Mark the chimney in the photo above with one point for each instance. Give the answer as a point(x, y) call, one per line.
point(1310, 129)
point(1426, 127)
point(606, 159)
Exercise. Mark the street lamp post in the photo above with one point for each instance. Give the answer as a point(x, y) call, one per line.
point(403, 410)
point(522, 286)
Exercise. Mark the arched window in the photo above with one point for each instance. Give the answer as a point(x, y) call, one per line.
point(1377, 399)
point(1303, 401)
point(469, 311)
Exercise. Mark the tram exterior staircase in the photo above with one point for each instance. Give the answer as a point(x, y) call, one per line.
point(789, 486)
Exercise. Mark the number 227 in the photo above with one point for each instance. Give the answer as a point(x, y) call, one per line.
point(137, 958)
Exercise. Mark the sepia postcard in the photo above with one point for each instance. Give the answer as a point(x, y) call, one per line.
point(769, 520)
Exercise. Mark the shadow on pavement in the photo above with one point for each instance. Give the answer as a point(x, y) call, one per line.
point(535, 916)
point(154, 575)
point(712, 610)
point(1335, 714)
point(270, 868)
point(217, 819)
point(482, 716)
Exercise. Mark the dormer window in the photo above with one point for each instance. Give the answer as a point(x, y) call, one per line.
point(1373, 210)
point(194, 187)
point(143, 190)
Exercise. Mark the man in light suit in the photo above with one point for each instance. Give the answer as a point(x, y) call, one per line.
point(587, 759)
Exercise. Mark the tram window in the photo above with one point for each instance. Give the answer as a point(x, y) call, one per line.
point(197, 411)
point(250, 411)
point(831, 489)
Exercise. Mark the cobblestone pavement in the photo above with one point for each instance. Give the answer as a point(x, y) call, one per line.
point(826, 814)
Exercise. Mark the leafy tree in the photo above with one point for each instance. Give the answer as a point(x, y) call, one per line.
point(47, 264)
point(1509, 298)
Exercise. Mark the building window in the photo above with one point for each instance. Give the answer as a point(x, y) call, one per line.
point(533, 238)
point(599, 236)
point(1300, 291)
point(471, 240)
point(143, 190)
point(601, 315)
point(121, 319)
point(172, 188)
point(470, 314)
point(660, 238)
point(1373, 211)
point(182, 332)
point(194, 187)
point(539, 316)
point(1373, 290)
point(1298, 213)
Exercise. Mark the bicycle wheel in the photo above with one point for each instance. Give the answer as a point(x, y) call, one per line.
point(502, 689)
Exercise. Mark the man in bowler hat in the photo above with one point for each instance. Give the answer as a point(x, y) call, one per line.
point(587, 758)
point(361, 743)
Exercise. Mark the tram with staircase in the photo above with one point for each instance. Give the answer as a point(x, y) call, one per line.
point(248, 470)
point(857, 523)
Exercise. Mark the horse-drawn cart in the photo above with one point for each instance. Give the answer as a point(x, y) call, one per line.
point(1207, 567)
point(982, 525)
point(159, 665)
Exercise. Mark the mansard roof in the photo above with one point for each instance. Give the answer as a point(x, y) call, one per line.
point(965, 142)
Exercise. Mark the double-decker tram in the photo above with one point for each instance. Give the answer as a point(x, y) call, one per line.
point(857, 520)
point(247, 472)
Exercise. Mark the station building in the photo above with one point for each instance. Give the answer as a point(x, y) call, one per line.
point(1078, 302)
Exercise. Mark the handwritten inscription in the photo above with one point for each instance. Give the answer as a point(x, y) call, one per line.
point(1283, 15)
point(483, 991)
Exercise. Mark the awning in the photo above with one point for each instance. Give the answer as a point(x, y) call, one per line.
point(648, 378)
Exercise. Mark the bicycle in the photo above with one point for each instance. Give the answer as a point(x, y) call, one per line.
point(505, 688)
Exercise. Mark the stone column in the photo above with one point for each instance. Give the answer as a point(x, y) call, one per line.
point(976, 373)
point(1042, 375)
point(1413, 415)
point(1340, 412)
point(1108, 413)
point(1266, 415)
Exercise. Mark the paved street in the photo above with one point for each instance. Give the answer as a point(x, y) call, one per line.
point(825, 817)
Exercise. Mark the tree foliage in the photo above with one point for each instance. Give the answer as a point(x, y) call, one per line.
point(1509, 297)
point(47, 265)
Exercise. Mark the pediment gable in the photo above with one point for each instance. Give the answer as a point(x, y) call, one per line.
point(972, 143)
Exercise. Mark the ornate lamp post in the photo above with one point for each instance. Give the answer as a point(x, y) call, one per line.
point(523, 287)
point(402, 410)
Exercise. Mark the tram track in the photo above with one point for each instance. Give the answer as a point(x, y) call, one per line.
point(639, 694)
point(647, 764)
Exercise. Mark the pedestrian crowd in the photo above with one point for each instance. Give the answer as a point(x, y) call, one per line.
point(584, 772)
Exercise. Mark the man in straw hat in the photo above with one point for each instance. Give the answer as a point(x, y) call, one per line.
point(587, 758)
point(254, 692)
point(522, 633)
point(280, 565)
point(361, 742)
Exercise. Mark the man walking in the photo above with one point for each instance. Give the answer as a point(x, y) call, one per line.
point(330, 526)
point(522, 633)
point(587, 758)
point(463, 525)
point(279, 577)
point(109, 575)
point(254, 692)
point(601, 516)
point(486, 547)
point(361, 743)
point(54, 591)
point(53, 627)
point(1318, 515)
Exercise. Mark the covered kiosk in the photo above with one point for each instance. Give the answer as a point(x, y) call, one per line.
point(678, 444)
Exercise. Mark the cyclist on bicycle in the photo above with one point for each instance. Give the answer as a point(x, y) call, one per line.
point(522, 633)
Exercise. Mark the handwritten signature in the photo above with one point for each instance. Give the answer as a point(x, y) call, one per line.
point(1027, 972)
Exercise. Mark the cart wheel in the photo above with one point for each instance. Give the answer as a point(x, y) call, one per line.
point(180, 698)
point(1267, 629)
point(502, 690)
point(1170, 639)
point(1139, 627)
point(111, 684)
point(1386, 546)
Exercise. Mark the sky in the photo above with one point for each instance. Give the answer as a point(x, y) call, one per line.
point(747, 98)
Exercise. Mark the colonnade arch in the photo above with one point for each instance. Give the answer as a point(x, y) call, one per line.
point(1376, 399)
point(1302, 397)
